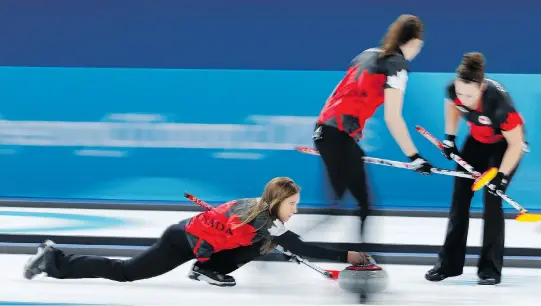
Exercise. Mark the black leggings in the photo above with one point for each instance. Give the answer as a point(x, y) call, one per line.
point(452, 255)
point(169, 252)
point(343, 159)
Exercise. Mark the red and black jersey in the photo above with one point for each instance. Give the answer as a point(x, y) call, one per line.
point(496, 112)
point(220, 229)
point(361, 91)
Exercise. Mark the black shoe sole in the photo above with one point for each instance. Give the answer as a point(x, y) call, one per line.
point(202, 277)
point(439, 278)
point(488, 282)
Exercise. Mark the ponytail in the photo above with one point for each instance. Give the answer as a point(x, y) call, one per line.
point(390, 41)
point(402, 30)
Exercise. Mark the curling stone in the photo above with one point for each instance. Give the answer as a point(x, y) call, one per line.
point(369, 278)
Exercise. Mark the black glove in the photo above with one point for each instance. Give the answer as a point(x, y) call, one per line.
point(449, 146)
point(420, 164)
point(499, 182)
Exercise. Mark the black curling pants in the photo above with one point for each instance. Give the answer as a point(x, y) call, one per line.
point(452, 254)
point(170, 251)
point(343, 159)
point(228, 261)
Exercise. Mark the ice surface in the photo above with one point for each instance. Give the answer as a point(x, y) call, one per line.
point(264, 283)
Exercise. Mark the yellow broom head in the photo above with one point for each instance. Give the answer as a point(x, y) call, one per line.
point(527, 217)
point(486, 177)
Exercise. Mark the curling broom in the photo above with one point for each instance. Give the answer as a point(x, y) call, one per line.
point(483, 179)
point(392, 163)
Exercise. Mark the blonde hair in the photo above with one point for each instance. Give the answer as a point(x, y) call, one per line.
point(276, 191)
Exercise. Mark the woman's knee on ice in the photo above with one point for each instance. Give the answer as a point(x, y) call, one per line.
point(123, 271)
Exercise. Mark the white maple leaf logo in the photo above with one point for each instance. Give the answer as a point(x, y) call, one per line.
point(278, 228)
point(398, 80)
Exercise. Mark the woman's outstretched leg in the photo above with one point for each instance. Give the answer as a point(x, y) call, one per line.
point(170, 251)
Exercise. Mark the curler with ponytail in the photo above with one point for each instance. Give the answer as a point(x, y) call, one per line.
point(405, 28)
point(472, 68)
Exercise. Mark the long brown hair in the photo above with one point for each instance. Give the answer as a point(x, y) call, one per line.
point(276, 191)
point(402, 30)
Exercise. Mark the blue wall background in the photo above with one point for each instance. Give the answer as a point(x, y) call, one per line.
point(142, 102)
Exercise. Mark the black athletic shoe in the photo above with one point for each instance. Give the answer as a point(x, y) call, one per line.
point(212, 277)
point(490, 281)
point(36, 263)
point(436, 275)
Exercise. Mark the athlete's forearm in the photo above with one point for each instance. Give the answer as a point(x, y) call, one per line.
point(399, 130)
point(451, 118)
point(511, 158)
point(293, 243)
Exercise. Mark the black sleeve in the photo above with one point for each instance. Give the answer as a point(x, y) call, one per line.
point(396, 73)
point(450, 92)
point(506, 116)
point(292, 242)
